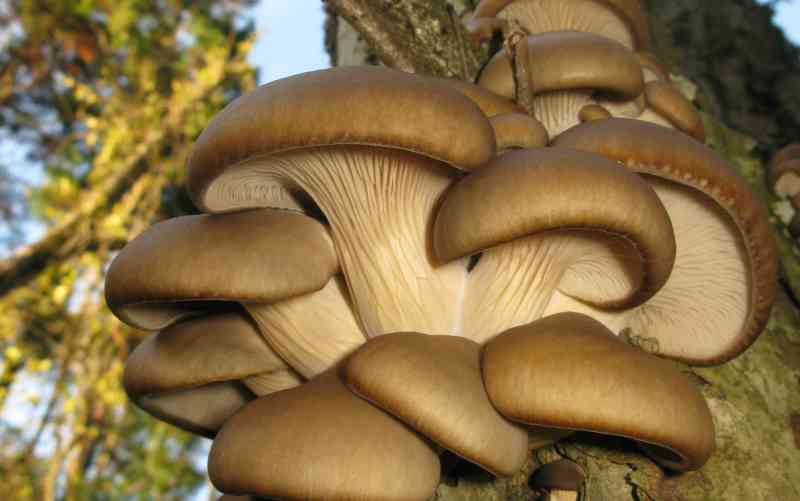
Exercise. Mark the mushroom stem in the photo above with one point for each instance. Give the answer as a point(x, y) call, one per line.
point(380, 205)
point(512, 284)
point(310, 332)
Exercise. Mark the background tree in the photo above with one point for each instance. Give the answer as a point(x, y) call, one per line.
point(109, 95)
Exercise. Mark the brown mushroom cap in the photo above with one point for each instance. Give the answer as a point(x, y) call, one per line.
point(320, 441)
point(568, 60)
point(720, 294)
point(581, 15)
point(187, 374)
point(667, 101)
point(569, 371)
point(433, 384)
point(518, 130)
point(356, 105)
point(553, 218)
point(176, 267)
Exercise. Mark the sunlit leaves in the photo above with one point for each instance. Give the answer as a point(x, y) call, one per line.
point(101, 91)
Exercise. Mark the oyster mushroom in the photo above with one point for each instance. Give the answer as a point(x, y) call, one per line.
point(320, 441)
point(552, 219)
point(374, 149)
point(195, 374)
point(624, 21)
point(568, 371)
point(280, 265)
point(433, 384)
point(719, 295)
point(567, 70)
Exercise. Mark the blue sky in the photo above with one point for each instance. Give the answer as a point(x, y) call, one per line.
point(291, 39)
point(787, 15)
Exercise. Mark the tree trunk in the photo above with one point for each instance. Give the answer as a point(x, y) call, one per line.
point(748, 77)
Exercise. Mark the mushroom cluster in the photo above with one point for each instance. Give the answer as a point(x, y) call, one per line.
point(784, 180)
point(391, 265)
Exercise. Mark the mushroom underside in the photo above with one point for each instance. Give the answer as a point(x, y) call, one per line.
point(542, 16)
point(380, 204)
point(703, 307)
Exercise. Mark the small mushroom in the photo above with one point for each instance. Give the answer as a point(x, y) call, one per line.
point(566, 70)
point(552, 219)
point(518, 130)
point(569, 371)
point(563, 480)
point(434, 384)
point(374, 149)
point(320, 441)
point(719, 295)
point(193, 374)
point(622, 20)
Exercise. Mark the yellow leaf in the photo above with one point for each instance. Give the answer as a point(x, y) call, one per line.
point(13, 354)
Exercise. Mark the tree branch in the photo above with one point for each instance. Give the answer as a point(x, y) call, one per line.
point(417, 36)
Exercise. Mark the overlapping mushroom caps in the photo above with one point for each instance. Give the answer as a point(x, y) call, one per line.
point(320, 441)
point(374, 149)
point(585, 60)
point(564, 72)
point(550, 220)
point(569, 371)
point(408, 177)
point(197, 373)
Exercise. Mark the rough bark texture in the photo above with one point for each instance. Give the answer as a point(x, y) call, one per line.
point(748, 78)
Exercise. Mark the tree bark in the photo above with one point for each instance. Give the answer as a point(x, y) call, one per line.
point(748, 78)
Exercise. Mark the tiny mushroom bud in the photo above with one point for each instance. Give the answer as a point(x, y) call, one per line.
point(720, 293)
point(433, 384)
point(622, 20)
point(563, 480)
point(320, 441)
point(569, 371)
